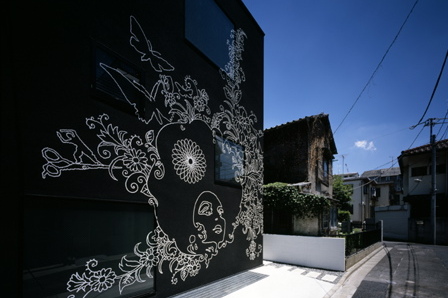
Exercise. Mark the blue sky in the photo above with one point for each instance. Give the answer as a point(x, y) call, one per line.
point(319, 55)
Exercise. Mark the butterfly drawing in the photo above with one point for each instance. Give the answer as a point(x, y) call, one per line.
point(143, 46)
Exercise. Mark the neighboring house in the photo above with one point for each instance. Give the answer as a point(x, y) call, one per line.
point(363, 190)
point(301, 153)
point(131, 146)
point(387, 202)
point(388, 189)
point(416, 165)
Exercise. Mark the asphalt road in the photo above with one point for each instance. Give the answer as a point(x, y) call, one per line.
point(407, 270)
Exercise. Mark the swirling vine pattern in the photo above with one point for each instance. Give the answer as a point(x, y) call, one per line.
point(137, 160)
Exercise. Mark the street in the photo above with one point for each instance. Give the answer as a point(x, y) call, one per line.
point(407, 270)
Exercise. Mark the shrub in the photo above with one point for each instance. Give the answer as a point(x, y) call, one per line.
point(281, 196)
point(343, 215)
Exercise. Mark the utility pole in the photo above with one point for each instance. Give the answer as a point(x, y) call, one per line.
point(431, 122)
point(433, 182)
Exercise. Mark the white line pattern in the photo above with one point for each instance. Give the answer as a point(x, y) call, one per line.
point(137, 161)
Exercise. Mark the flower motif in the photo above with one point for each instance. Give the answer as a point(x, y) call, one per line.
point(103, 280)
point(250, 252)
point(135, 160)
point(200, 101)
point(149, 258)
point(189, 161)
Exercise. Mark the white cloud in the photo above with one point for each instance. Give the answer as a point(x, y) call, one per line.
point(369, 146)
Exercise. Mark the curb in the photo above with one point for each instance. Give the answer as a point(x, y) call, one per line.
point(351, 270)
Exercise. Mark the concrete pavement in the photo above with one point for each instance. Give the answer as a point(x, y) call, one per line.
point(270, 280)
point(396, 269)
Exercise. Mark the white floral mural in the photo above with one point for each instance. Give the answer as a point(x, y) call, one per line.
point(135, 161)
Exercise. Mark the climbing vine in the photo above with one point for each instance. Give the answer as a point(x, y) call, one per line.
point(282, 196)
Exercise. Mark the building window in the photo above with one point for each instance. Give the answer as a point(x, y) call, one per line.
point(208, 29)
point(326, 171)
point(63, 236)
point(326, 168)
point(229, 161)
point(440, 169)
point(116, 81)
point(419, 171)
point(378, 192)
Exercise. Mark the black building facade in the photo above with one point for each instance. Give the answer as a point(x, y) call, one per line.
point(131, 143)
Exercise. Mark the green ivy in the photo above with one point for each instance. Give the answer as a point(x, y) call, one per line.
point(281, 196)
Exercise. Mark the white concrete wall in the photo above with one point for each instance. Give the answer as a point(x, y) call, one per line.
point(317, 252)
point(395, 221)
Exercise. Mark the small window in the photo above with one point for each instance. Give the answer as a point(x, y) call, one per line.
point(228, 161)
point(440, 169)
point(325, 177)
point(116, 81)
point(378, 192)
point(326, 168)
point(208, 29)
point(419, 171)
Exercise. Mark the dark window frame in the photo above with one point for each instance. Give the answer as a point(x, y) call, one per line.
point(419, 171)
point(378, 192)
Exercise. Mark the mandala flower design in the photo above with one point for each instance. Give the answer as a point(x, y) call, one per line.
point(189, 161)
point(135, 160)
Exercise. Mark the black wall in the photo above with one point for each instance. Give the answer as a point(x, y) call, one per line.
point(63, 171)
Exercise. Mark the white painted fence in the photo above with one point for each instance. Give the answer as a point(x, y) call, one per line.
point(316, 252)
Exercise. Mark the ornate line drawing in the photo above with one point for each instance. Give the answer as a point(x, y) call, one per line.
point(189, 161)
point(143, 46)
point(137, 160)
point(91, 280)
point(209, 221)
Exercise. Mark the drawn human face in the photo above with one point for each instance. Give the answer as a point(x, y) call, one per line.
point(208, 219)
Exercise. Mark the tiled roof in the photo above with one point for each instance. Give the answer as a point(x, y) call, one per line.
point(443, 144)
point(298, 120)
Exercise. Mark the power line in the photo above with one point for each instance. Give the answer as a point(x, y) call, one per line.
point(434, 90)
point(416, 137)
point(377, 67)
point(446, 114)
